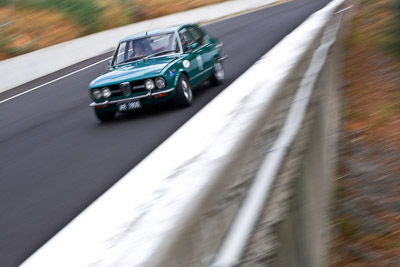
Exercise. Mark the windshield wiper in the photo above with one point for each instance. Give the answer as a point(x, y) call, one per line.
point(132, 59)
point(161, 53)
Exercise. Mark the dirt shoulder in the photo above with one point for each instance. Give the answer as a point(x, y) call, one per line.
point(366, 211)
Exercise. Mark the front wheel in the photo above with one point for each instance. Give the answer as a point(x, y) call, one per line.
point(183, 95)
point(219, 74)
point(105, 116)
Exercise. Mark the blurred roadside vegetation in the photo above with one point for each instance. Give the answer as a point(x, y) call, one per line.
point(27, 25)
point(393, 32)
point(366, 224)
point(372, 70)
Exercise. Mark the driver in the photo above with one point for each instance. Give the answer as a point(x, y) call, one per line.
point(138, 51)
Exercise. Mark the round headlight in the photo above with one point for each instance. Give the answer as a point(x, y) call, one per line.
point(106, 92)
point(97, 94)
point(160, 82)
point(149, 84)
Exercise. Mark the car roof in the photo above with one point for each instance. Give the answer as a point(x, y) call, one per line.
point(156, 31)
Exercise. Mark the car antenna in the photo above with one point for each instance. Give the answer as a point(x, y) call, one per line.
point(151, 22)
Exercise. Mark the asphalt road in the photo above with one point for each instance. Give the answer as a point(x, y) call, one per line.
point(56, 158)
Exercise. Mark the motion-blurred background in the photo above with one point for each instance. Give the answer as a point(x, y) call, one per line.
point(27, 25)
point(366, 208)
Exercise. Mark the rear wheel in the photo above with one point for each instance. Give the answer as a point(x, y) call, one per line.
point(183, 95)
point(219, 74)
point(105, 116)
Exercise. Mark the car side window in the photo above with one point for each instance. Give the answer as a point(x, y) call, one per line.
point(120, 54)
point(198, 35)
point(186, 38)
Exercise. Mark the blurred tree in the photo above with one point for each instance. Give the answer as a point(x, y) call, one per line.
point(132, 9)
point(391, 32)
point(84, 12)
point(394, 30)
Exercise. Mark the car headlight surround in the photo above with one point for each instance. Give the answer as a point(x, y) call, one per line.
point(97, 94)
point(106, 92)
point(149, 84)
point(160, 82)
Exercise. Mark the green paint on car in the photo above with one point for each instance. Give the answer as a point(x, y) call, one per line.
point(155, 67)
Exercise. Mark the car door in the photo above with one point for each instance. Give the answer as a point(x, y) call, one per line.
point(190, 61)
point(203, 52)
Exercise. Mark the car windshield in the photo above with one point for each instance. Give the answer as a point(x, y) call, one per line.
point(146, 47)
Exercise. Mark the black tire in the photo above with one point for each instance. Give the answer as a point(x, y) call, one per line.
point(105, 116)
point(183, 95)
point(219, 74)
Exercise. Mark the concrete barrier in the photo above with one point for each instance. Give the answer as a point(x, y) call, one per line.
point(22, 69)
point(294, 228)
point(242, 227)
point(176, 206)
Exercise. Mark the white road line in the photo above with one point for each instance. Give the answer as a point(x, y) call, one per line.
point(52, 81)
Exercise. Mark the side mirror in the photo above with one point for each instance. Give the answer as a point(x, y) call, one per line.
point(194, 46)
point(108, 67)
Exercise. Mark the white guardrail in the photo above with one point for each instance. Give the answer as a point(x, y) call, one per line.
point(247, 216)
point(175, 207)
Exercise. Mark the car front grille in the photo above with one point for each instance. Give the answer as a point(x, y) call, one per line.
point(135, 88)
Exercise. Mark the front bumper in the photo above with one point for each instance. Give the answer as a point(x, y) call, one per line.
point(108, 102)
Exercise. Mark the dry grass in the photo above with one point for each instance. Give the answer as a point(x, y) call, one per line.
point(372, 124)
point(372, 77)
point(26, 30)
point(156, 8)
point(32, 29)
point(113, 16)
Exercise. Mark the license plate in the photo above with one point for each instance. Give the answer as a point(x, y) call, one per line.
point(130, 105)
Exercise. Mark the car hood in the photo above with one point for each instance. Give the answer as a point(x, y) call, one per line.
point(136, 70)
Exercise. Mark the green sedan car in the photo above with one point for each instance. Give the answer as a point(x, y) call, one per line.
point(155, 67)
